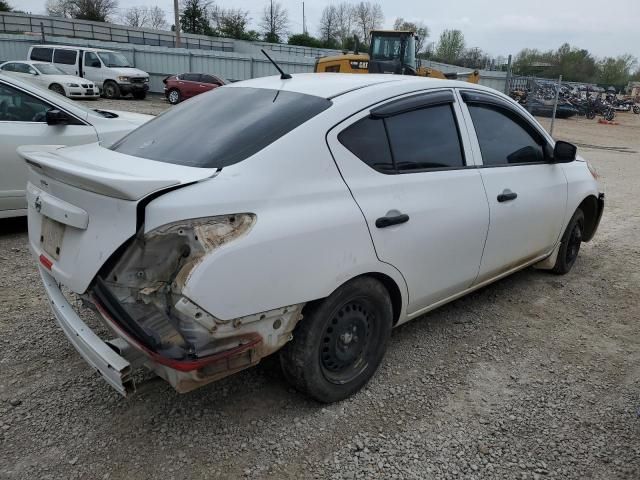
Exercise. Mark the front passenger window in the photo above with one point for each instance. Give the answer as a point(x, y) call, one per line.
point(503, 139)
point(17, 106)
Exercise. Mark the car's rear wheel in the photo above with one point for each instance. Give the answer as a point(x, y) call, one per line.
point(111, 90)
point(174, 96)
point(570, 244)
point(54, 87)
point(340, 342)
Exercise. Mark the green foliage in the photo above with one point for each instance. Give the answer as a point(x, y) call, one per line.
point(305, 40)
point(575, 65)
point(195, 17)
point(4, 6)
point(450, 47)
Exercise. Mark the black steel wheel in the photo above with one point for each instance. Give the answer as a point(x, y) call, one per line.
point(111, 90)
point(570, 244)
point(340, 341)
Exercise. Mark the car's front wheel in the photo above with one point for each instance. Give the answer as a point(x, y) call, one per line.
point(340, 342)
point(54, 87)
point(111, 90)
point(570, 244)
point(174, 96)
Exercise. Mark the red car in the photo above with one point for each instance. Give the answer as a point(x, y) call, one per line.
point(186, 85)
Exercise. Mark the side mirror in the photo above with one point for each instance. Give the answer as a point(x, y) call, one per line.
point(564, 152)
point(57, 117)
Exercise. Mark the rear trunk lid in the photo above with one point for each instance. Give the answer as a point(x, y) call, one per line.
point(83, 204)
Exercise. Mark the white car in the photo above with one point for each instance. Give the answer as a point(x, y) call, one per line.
point(31, 115)
point(323, 211)
point(51, 77)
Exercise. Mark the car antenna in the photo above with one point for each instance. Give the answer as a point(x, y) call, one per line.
point(283, 76)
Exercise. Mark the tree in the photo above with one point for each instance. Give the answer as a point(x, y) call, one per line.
point(305, 40)
point(274, 22)
point(4, 6)
point(367, 16)
point(96, 10)
point(329, 27)
point(344, 17)
point(144, 17)
point(616, 71)
point(420, 29)
point(451, 46)
point(195, 18)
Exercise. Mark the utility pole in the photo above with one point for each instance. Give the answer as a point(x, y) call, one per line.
point(176, 13)
point(304, 22)
point(555, 106)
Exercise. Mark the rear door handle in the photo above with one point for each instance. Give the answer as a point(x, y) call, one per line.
point(507, 195)
point(384, 222)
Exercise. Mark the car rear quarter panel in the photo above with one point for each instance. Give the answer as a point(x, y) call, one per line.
point(308, 239)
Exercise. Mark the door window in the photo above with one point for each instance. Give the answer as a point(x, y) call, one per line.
point(9, 67)
point(425, 139)
point(190, 77)
point(91, 60)
point(504, 138)
point(65, 57)
point(418, 140)
point(367, 140)
point(42, 54)
point(17, 106)
point(211, 79)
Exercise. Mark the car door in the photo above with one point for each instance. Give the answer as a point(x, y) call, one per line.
point(527, 193)
point(407, 167)
point(188, 84)
point(66, 60)
point(92, 69)
point(23, 122)
point(209, 82)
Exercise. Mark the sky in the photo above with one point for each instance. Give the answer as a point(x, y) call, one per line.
point(500, 27)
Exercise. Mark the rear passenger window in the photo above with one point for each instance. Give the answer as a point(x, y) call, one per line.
point(367, 140)
point(425, 139)
point(42, 54)
point(504, 139)
point(190, 77)
point(66, 57)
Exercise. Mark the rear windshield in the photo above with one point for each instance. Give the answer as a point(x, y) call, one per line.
point(221, 127)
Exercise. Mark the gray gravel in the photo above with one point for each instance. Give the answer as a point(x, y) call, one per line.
point(534, 377)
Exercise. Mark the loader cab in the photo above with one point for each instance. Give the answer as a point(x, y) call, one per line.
point(392, 52)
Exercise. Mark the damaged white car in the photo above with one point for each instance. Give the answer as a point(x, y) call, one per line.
point(323, 211)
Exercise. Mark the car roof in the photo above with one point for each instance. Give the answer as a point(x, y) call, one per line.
point(74, 47)
point(331, 85)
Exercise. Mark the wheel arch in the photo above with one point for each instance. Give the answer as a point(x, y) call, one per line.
point(592, 213)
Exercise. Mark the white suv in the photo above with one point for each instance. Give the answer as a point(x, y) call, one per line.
point(320, 213)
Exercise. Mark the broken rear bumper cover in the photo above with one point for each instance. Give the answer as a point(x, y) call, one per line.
point(115, 360)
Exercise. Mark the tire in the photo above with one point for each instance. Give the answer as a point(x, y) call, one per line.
point(111, 90)
point(636, 109)
point(610, 115)
point(340, 342)
point(56, 88)
point(174, 96)
point(140, 95)
point(591, 115)
point(570, 244)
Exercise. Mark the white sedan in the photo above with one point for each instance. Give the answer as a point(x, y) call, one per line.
point(51, 77)
point(31, 115)
point(325, 210)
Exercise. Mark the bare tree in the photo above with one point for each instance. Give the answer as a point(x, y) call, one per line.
point(328, 29)
point(157, 19)
point(59, 8)
point(420, 29)
point(344, 22)
point(368, 16)
point(96, 10)
point(135, 17)
point(274, 22)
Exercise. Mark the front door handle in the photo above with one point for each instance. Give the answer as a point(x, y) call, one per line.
point(507, 195)
point(384, 222)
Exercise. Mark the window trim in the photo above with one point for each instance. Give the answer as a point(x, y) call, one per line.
point(473, 97)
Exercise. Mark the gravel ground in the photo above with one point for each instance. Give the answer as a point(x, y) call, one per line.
point(534, 377)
